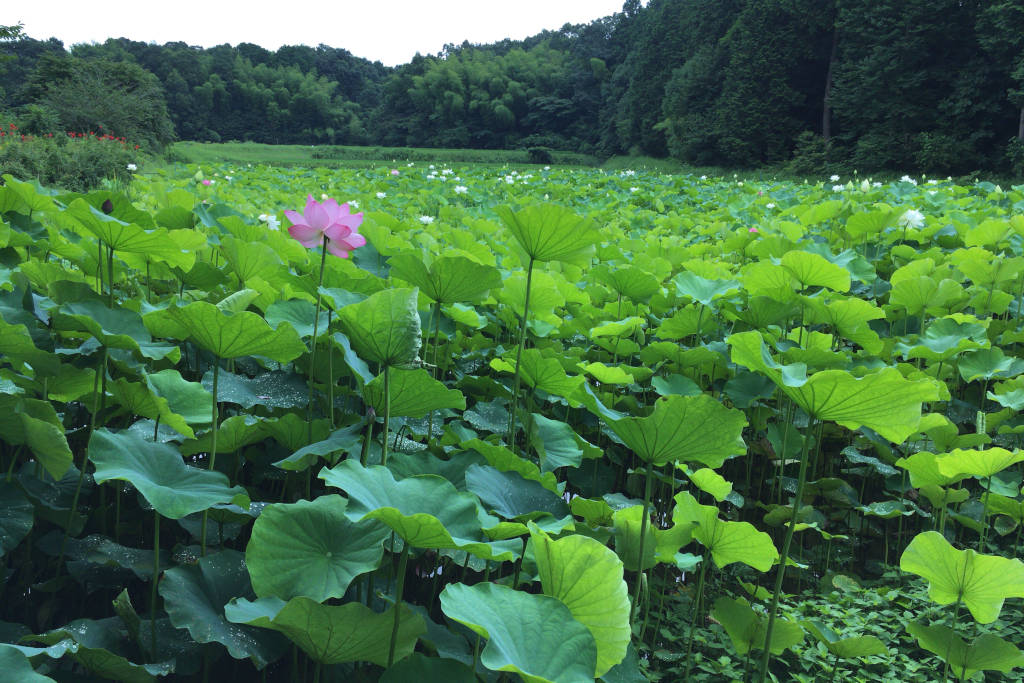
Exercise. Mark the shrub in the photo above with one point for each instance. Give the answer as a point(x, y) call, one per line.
point(78, 164)
point(539, 155)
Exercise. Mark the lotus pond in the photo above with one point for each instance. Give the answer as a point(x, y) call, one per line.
point(536, 424)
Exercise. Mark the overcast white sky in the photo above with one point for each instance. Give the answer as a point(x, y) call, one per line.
point(391, 31)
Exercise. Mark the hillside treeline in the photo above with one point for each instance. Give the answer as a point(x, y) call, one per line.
point(933, 85)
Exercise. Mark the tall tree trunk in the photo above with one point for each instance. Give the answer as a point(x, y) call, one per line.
point(826, 109)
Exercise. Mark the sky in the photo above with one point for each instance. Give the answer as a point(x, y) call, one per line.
point(391, 31)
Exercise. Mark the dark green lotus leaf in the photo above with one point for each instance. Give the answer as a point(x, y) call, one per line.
point(345, 439)
point(16, 345)
point(556, 443)
point(195, 596)
point(271, 389)
point(311, 549)
point(423, 669)
point(15, 516)
point(701, 290)
point(548, 232)
point(16, 666)
point(985, 652)
point(684, 429)
point(384, 328)
point(425, 511)
point(248, 259)
point(944, 339)
point(98, 642)
point(512, 496)
point(298, 313)
point(588, 578)
point(233, 434)
point(35, 424)
point(448, 279)
point(118, 328)
point(747, 628)
point(675, 385)
point(414, 393)
point(227, 336)
point(535, 636)
point(157, 470)
point(539, 372)
point(332, 634)
point(138, 399)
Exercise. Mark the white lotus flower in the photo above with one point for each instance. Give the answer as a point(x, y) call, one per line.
point(833, 177)
point(634, 189)
point(912, 218)
point(770, 205)
point(382, 195)
point(838, 188)
point(461, 189)
point(426, 220)
point(133, 168)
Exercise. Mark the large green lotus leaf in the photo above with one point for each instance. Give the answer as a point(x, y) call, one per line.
point(449, 279)
point(988, 364)
point(122, 236)
point(188, 399)
point(35, 424)
point(546, 374)
point(298, 313)
point(227, 336)
point(924, 470)
point(986, 652)
point(535, 636)
point(982, 582)
point(945, 338)
point(845, 648)
point(684, 428)
point(137, 399)
point(250, 260)
point(587, 577)
point(711, 482)
point(547, 232)
point(15, 516)
point(233, 434)
point(959, 463)
point(618, 328)
point(17, 667)
point(813, 270)
point(418, 667)
point(118, 328)
point(16, 345)
point(97, 645)
point(512, 496)
point(1001, 505)
point(311, 549)
point(702, 290)
point(555, 442)
point(157, 470)
point(660, 545)
point(870, 222)
point(503, 459)
point(414, 393)
point(849, 316)
point(728, 541)
point(426, 511)
point(884, 401)
point(293, 431)
point(747, 628)
point(195, 596)
point(332, 634)
point(270, 389)
point(345, 439)
point(916, 294)
point(629, 281)
point(385, 327)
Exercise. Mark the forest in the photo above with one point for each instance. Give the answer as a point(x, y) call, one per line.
point(933, 85)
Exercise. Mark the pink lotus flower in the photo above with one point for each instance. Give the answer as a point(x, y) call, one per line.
point(752, 230)
point(330, 220)
point(394, 171)
point(207, 182)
